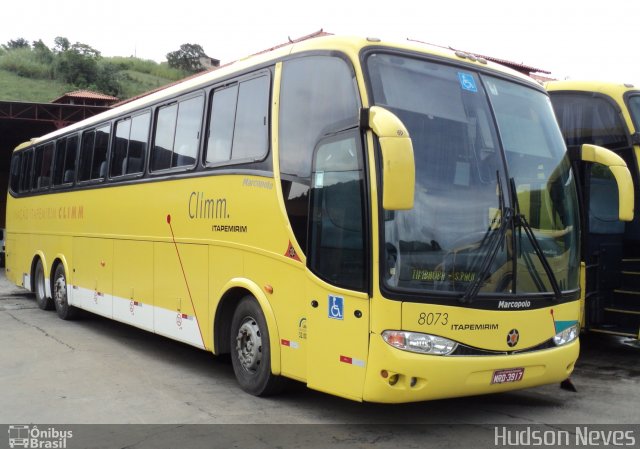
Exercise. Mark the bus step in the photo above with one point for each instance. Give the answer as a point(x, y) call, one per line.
point(625, 311)
point(626, 292)
point(613, 330)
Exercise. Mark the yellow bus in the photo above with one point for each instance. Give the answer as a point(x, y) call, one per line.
point(607, 114)
point(383, 222)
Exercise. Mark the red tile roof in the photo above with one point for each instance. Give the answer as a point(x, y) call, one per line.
point(86, 95)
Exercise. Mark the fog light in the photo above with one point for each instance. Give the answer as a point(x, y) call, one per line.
point(393, 379)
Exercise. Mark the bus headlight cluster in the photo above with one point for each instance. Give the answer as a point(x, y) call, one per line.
point(421, 343)
point(567, 335)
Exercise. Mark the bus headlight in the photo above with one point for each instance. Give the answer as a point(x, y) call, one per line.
point(421, 343)
point(567, 335)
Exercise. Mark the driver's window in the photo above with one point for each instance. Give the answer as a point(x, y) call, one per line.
point(337, 245)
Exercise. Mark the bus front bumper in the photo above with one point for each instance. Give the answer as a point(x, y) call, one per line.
point(395, 376)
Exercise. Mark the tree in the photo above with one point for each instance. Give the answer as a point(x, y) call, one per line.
point(108, 80)
point(187, 58)
point(17, 43)
point(78, 65)
point(61, 44)
point(42, 52)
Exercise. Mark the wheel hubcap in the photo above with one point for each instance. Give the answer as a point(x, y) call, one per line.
point(61, 291)
point(249, 345)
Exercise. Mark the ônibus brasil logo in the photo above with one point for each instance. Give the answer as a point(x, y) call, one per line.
point(33, 437)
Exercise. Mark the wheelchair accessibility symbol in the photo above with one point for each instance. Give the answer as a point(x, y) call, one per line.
point(336, 307)
point(467, 82)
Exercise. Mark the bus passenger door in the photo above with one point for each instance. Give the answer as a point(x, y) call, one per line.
point(338, 341)
point(338, 319)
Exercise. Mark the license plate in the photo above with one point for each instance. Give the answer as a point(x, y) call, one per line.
point(507, 375)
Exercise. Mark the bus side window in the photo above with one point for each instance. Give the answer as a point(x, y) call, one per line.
point(16, 165)
point(177, 134)
point(93, 154)
point(130, 145)
point(120, 147)
point(99, 164)
point(42, 167)
point(25, 171)
point(138, 142)
point(58, 161)
point(238, 123)
point(86, 155)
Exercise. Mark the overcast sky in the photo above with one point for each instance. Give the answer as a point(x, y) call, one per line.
point(575, 39)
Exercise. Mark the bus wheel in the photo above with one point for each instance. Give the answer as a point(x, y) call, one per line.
point(41, 292)
point(65, 311)
point(250, 350)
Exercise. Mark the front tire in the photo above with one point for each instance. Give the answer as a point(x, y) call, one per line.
point(250, 350)
point(61, 301)
point(43, 301)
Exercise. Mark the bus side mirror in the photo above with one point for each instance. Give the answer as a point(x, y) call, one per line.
point(398, 165)
point(620, 171)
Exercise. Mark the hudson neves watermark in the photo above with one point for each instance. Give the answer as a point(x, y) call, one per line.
point(576, 436)
point(30, 436)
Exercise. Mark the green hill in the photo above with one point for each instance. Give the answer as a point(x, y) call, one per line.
point(38, 75)
point(18, 88)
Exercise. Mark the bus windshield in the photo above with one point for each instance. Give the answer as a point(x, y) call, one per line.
point(495, 203)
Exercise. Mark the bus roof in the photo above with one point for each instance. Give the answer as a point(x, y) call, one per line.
point(348, 45)
point(616, 90)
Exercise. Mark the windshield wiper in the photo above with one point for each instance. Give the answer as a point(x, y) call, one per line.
point(493, 238)
point(521, 222)
point(510, 218)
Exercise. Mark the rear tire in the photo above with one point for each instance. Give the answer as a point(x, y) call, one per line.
point(61, 301)
point(39, 284)
point(250, 350)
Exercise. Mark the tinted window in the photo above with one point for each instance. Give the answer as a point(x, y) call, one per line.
point(42, 167)
point(93, 154)
point(86, 155)
point(177, 134)
point(223, 110)
point(337, 230)
point(65, 164)
point(634, 108)
point(25, 171)
point(99, 164)
point(130, 145)
point(138, 141)
point(317, 98)
point(584, 118)
point(250, 135)
point(16, 165)
point(165, 128)
point(239, 120)
point(120, 147)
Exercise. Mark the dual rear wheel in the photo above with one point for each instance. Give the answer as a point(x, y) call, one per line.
point(58, 290)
